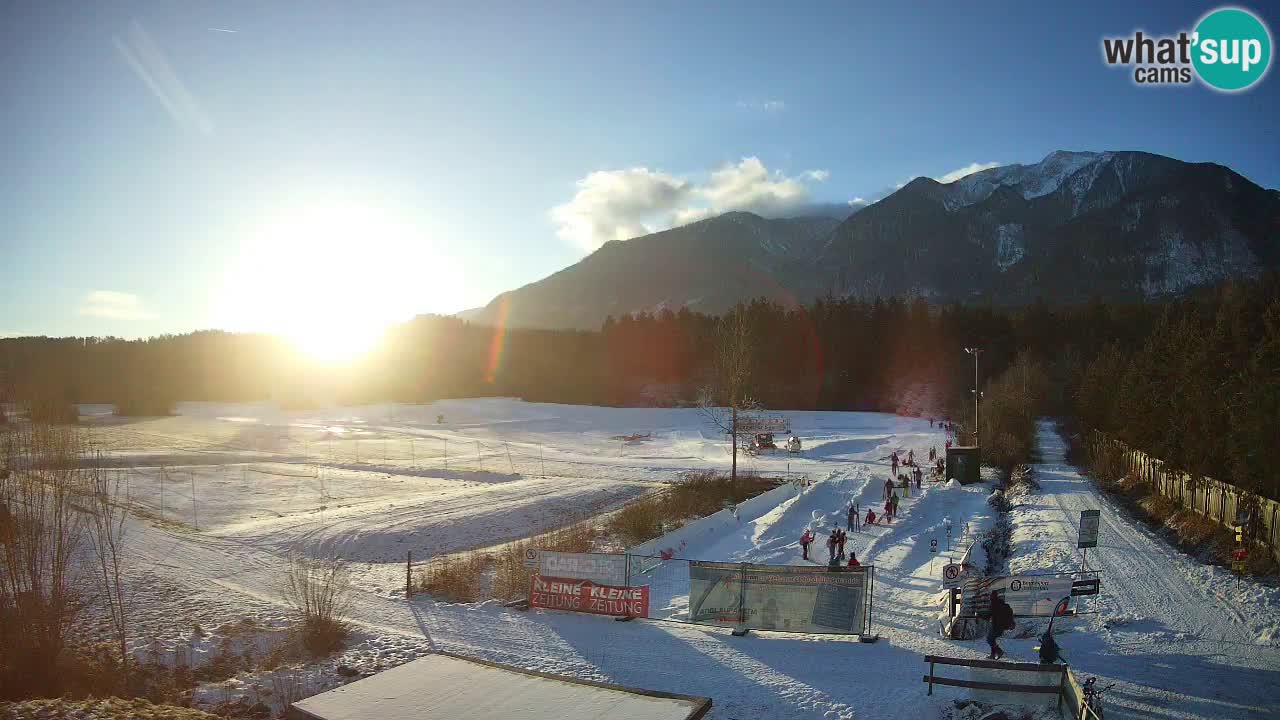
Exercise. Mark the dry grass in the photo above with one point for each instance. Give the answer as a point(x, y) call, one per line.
point(696, 495)
point(454, 578)
point(104, 709)
point(511, 577)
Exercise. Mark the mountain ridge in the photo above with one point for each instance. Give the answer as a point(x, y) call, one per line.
point(1122, 225)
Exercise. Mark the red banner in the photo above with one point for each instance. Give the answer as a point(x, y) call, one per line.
point(585, 596)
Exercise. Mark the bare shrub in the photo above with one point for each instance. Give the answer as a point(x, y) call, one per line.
point(319, 591)
point(107, 513)
point(41, 529)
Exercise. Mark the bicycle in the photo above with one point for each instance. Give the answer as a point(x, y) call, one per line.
point(1093, 699)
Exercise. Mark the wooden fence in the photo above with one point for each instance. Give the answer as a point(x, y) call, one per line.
point(1214, 500)
point(1070, 694)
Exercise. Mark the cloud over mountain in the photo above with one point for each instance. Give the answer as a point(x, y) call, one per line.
point(622, 204)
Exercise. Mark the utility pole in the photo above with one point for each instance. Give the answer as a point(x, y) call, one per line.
point(975, 352)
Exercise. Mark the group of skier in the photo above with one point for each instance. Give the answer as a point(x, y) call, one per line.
point(835, 545)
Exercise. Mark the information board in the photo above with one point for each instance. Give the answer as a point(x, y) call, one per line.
point(1028, 595)
point(1089, 520)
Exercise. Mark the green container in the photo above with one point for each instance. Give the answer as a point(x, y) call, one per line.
point(963, 464)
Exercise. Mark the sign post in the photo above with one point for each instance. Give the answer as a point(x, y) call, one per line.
point(1089, 520)
point(1240, 553)
point(933, 551)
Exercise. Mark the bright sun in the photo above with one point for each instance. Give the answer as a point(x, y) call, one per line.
point(331, 279)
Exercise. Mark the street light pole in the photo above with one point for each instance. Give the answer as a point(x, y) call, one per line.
point(975, 352)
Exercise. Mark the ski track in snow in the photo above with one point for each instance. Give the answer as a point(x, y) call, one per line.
point(1188, 650)
point(1173, 633)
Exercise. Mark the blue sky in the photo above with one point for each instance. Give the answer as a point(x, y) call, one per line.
point(360, 162)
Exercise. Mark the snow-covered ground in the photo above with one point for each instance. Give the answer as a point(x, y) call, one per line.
point(270, 501)
point(1175, 635)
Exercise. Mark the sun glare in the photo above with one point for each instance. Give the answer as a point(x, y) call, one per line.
point(331, 279)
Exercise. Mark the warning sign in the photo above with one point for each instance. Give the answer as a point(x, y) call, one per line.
point(951, 575)
point(531, 559)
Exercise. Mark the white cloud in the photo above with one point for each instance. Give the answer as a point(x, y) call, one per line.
point(859, 202)
point(768, 106)
point(622, 204)
point(113, 305)
point(969, 169)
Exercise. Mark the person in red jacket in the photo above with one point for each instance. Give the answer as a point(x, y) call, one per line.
point(853, 561)
point(805, 540)
point(871, 517)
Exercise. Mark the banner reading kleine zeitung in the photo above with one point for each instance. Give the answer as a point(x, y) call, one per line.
point(786, 598)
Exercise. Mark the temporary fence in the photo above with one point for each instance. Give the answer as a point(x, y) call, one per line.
point(1218, 501)
point(742, 596)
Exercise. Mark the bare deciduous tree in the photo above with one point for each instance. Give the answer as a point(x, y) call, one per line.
point(727, 403)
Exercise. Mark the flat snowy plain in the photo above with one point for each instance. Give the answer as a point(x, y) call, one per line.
point(226, 492)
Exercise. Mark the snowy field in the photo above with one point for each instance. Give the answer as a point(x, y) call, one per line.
point(373, 483)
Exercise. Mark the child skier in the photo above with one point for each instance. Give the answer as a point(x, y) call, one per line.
point(840, 540)
point(805, 540)
point(871, 516)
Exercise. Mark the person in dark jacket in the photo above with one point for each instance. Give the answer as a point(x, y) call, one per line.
point(888, 487)
point(1001, 621)
point(854, 516)
point(841, 538)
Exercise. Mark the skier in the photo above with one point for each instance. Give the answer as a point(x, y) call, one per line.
point(930, 422)
point(831, 545)
point(805, 540)
point(1001, 616)
point(893, 460)
point(888, 488)
point(888, 510)
point(853, 518)
point(853, 561)
point(911, 457)
point(933, 453)
point(919, 477)
point(871, 516)
point(841, 537)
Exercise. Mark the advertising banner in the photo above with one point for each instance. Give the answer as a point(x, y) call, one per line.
point(599, 568)
point(584, 596)
point(1028, 595)
point(773, 597)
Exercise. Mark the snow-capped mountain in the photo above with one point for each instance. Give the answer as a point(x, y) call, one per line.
point(1073, 226)
point(1076, 225)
